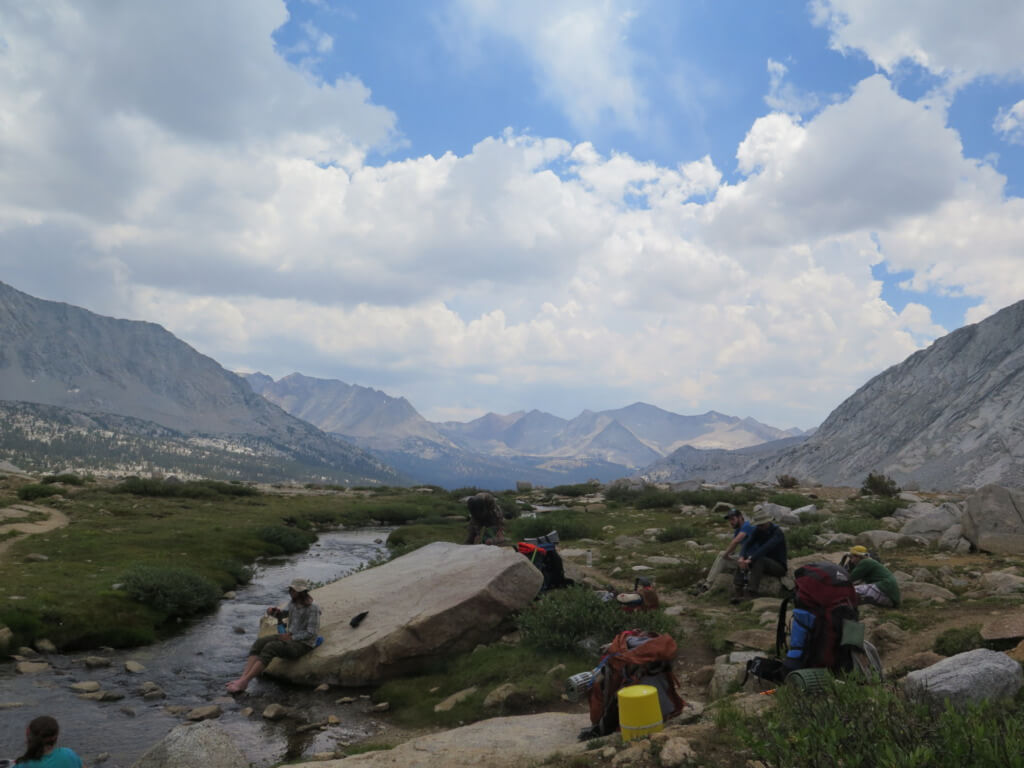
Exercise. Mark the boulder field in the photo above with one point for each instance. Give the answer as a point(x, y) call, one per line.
point(440, 598)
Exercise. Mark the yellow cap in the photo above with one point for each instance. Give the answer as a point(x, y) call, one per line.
point(859, 549)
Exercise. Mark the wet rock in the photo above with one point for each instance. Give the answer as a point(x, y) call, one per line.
point(128, 711)
point(6, 635)
point(102, 757)
point(239, 630)
point(86, 686)
point(247, 711)
point(333, 720)
point(45, 646)
point(230, 595)
point(176, 709)
point(383, 706)
point(94, 662)
point(447, 704)
point(11, 704)
point(31, 667)
point(323, 687)
point(91, 696)
point(204, 713)
point(203, 745)
point(346, 700)
point(275, 711)
point(134, 667)
point(27, 653)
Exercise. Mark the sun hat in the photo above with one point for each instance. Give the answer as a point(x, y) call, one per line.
point(299, 585)
point(761, 517)
point(859, 549)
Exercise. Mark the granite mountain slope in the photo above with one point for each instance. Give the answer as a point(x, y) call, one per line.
point(55, 354)
point(949, 416)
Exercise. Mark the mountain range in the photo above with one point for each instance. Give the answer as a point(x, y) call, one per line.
point(124, 382)
point(534, 446)
point(79, 390)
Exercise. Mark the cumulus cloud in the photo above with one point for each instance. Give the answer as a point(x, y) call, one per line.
point(783, 96)
point(579, 51)
point(956, 40)
point(233, 202)
point(1009, 123)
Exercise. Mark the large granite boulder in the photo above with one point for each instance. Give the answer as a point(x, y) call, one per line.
point(933, 524)
point(994, 520)
point(202, 745)
point(442, 598)
point(972, 676)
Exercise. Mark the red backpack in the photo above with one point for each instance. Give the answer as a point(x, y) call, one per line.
point(825, 598)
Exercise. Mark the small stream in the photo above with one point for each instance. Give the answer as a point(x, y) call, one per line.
point(192, 668)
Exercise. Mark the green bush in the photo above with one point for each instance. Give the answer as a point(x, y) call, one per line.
point(575, 491)
point(791, 500)
point(37, 491)
point(174, 592)
point(67, 478)
point(854, 525)
point(959, 639)
point(563, 618)
point(800, 538)
point(877, 484)
point(786, 481)
point(861, 726)
point(876, 507)
point(194, 489)
point(570, 524)
point(286, 539)
point(678, 532)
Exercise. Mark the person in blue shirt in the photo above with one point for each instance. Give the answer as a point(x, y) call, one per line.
point(763, 552)
point(725, 562)
point(41, 750)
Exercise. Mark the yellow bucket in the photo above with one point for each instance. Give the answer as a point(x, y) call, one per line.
point(639, 711)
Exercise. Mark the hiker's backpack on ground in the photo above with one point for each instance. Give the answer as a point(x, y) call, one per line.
point(824, 607)
point(634, 657)
point(546, 559)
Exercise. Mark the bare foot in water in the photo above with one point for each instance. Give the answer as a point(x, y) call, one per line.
point(235, 686)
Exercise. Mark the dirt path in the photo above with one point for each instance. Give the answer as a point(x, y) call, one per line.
point(15, 519)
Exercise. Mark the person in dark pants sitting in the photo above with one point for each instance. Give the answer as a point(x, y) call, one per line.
point(303, 617)
point(763, 552)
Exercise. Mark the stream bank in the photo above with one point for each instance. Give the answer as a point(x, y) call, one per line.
point(191, 668)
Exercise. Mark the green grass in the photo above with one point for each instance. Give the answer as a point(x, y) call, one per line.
point(70, 598)
point(791, 500)
point(876, 727)
point(413, 698)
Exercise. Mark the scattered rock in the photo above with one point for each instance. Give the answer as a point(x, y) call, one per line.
point(127, 711)
point(921, 660)
point(275, 711)
point(134, 667)
point(888, 636)
point(499, 696)
point(247, 711)
point(1002, 583)
point(1008, 626)
point(346, 700)
point(45, 646)
point(383, 706)
point(239, 630)
point(11, 704)
point(86, 686)
point(676, 751)
point(208, 712)
point(758, 639)
point(36, 557)
point(972, 676)
point(93, 662)
point(322, 688)
point(447, 704)
point(230, 595)
point(202, 745)
point(915, 590)
point(31, 667)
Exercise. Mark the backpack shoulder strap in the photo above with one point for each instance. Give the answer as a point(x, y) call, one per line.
point(781, 646)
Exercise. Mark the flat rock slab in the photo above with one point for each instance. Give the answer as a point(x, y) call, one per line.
point(758, 639)
point(1009, 626)
point(441, 598)
point(203, 745)
point(972, 676)
point(501, 742)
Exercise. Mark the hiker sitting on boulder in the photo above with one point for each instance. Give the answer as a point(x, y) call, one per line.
point(742, 530)
point(764, 551)
point(486, 521)
point(879, 586)
point(303, 617)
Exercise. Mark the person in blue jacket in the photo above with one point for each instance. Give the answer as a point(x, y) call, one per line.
point(763, 552)
point(41, 750)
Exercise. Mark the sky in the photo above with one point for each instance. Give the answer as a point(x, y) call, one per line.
point(484, 206)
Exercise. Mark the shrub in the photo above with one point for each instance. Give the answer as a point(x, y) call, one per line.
point(877, 484)
point(574, 491)
point(876, 727)
point(876, 508)
point(791, 500)
point(174, 592)
point(563, 618)
point(854, 525)
point(67, 478)
point(959, 639)
point(786, 481)
point(570, 524)
point(285, 539)
point(37, 491)
point(800, 539)
point(678, 532)
point(197, 489)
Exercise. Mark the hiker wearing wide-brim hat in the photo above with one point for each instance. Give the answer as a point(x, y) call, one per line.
point(303, 617)
point(878, 585)
point(764, 551)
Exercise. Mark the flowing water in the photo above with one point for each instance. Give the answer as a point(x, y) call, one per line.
point(192, 668)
